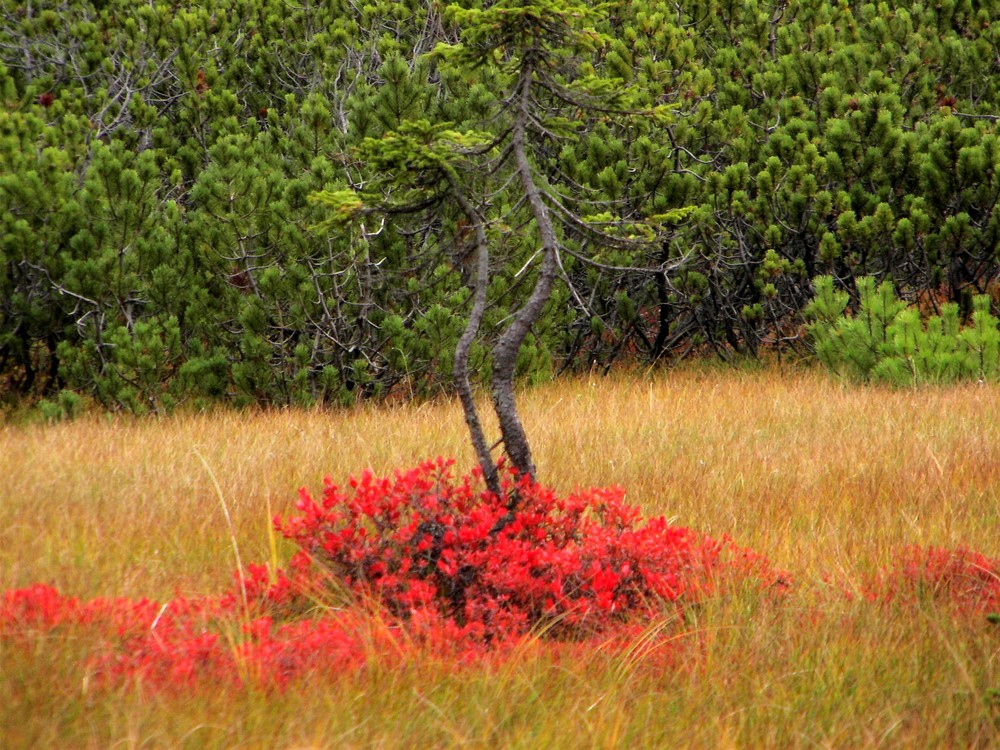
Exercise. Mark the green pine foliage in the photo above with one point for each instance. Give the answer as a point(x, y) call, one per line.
point(886, 340)
point(158, 244)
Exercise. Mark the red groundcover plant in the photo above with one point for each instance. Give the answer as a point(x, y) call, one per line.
point(191, 639)
point(963, 579)
point(421, 561)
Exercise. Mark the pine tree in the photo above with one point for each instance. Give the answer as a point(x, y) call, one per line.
point(886, 340)
point(543, 94)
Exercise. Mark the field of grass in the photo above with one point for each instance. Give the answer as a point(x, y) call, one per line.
point(828, 481)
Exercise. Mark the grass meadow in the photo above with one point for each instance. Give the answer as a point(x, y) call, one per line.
point(827, 480)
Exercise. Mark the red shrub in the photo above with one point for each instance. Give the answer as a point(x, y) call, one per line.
point(425, 545)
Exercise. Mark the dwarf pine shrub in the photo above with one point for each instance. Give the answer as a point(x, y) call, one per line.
point(886, 340)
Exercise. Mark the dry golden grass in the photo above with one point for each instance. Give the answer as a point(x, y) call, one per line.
point(821, 477)
point(813, 473)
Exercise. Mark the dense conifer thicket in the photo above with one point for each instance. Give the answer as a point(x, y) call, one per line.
point(160, 244)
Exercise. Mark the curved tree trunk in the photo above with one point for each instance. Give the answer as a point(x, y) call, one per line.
point(472, 420)
point(505, 352)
